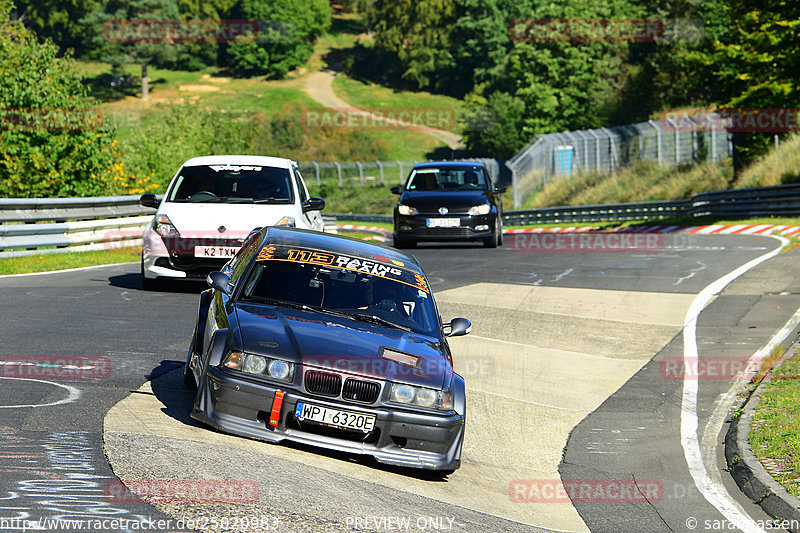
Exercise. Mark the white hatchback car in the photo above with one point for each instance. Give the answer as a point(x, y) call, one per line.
point(212, 204)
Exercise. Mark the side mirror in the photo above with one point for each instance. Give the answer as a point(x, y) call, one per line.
point(219, 281)
point(313, 204)
point(150, 200)
point(396, 189)
point(499, 189)
point(458, 327)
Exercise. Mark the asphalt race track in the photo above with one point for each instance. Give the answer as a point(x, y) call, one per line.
point(577, 404)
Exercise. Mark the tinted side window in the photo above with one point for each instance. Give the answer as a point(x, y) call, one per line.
point(238, 264)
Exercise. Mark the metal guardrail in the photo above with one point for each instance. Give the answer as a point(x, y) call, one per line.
point(42, 225)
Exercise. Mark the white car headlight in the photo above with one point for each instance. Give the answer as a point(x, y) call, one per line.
point(482, 209)
point(260, 366)
point(406, 210)
point(420, 396)
point(165, 227)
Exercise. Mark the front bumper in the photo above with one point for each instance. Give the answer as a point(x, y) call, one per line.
point(471, 227)
point(401, 437)
point(174, 257)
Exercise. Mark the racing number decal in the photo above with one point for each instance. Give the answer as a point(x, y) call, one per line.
point(307, 256)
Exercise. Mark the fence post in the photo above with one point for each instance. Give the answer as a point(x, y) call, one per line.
point(514, 185)
point(380, 165)
point(339, 170)
point(360, 172)
point(658, 141)
point(596, 150)
point(614, 159)
point(400, 163)
point(316, 167)
point(677, 140)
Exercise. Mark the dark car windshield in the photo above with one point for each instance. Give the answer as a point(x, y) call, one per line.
point(447, 179)
point(232, 184)
point(357, 295)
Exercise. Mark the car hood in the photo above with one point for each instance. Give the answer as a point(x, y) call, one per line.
point(338, 343)
point(431, 201)
point(204, 220)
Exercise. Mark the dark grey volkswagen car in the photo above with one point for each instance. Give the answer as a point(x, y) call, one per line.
point(448, 201)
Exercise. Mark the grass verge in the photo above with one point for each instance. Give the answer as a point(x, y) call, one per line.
point(50, 262)
point(775, 434)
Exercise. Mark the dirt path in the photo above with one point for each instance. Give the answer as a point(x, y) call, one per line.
point(319, 86)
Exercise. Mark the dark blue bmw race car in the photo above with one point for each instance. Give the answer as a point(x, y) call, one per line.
point(329, 341)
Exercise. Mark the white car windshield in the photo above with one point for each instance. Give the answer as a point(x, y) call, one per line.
point(232, 184)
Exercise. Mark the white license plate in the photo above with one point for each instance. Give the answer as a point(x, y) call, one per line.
point(215, 251)
point(334, 417)
point(444, 222)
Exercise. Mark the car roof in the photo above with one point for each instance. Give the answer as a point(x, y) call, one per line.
point(450, 164)
point(329, 242)
point(277, 162)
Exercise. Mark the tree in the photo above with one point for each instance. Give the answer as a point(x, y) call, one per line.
point(285, 38)
point(57, 19)
point(122, 33)
point(52, 141)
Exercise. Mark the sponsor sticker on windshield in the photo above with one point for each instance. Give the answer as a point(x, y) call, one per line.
point(344, 262)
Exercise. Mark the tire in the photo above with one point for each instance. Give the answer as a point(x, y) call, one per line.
point(149, 284)
point(493, 241)
point(500, 233)
point(188, 376)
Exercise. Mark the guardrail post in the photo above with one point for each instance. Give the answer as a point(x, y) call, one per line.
point(339, 170)
point(316, 167)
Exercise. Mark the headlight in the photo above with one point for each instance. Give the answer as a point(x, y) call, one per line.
point(422, 397)
point(286, 221)
point(165, 227)
point(406, 210)
point(482, 209)
point(260, 366)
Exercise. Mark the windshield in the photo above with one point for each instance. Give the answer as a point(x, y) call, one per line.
point(359, 295)
point(232, 184)
point(447, 179)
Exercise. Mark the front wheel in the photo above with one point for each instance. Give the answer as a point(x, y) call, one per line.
point(149, 284)
point(188, 375)
point(494, 240)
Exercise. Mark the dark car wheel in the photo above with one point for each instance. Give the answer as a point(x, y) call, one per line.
point(399, 242)
point(188, 375)
point(494, 240)
point(149, 284)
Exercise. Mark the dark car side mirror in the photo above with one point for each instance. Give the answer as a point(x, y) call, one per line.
point(499, 189)
point(313, 204)
point(396, 189)
point(458, 327)
point(218, 280)
point(150, 200)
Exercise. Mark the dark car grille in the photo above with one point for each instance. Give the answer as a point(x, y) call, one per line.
point(444, 232)
point(323, 383)
point(361, 391)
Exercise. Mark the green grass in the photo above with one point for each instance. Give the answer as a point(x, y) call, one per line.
point(371, 96)
point(49, 262)
point(367, 199)
point(775, 434)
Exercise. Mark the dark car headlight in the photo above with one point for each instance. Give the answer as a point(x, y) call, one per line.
point(421, 397)
point(482, 209)
point(407, 210)
point(260, 366)
point(164, 227)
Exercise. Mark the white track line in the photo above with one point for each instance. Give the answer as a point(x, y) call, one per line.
point(73, 395)
point(66, 270)
point(714, 493)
